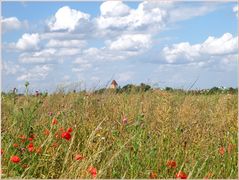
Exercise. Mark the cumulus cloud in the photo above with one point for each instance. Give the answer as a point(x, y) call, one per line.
point(39, 72)
point(131, 42)
point(55, 43)
point(11, 68)
point(209, 49)
point(11, 23)
point(67, 19)
point(114, 8)
point(126, 19)
point(28, 41)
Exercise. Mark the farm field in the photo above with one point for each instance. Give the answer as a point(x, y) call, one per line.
point(153, 134)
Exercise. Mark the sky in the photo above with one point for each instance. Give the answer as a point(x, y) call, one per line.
point(85, 45)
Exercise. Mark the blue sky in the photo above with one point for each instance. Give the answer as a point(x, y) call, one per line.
point(87, 44)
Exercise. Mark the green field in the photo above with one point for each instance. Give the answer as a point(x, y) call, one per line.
point(198, 132)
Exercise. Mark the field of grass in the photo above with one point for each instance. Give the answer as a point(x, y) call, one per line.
point(153, 134)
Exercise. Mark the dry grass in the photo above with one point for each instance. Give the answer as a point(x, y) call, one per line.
point(161, 126)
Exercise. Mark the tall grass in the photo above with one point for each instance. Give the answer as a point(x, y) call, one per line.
point(162, 126)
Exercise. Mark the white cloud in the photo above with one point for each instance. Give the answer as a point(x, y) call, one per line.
point(126, 19)
point(11, 68)
point(206, 51)
point(235, 9)
point(125, 76)
point(67, 19)
point(114, 8)
point(39, 72)
point(54, 43)
point(28, 41)
point(131, 42)
point(43, 56)
point(11, 23)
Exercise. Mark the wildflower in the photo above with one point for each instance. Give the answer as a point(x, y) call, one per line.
point(181, 175)
point(69, 130)
point(15, 145)
point(153, 175)
point(54, 121)
point(46, 132)
point(1, 151)
point(23, 138)
point(66, 135)
point(125, 120)
point(78, 157)
point(221, 150)
point(30, 147)
point(30, 139)
point(171, 164)
point(37, 93)
point(92, 171)
point(15, 159)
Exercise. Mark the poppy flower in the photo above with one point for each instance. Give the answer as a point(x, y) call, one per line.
point(15, 145)
point(78, 157)
point(181, 175)
point(1, 151)
point(69, 130)
point(30, 147)
point(15, 159)
point(221, 150)
point(66, 135)
point(30, 139)
point(46, 132)
point(54, 121)
point(23, 138)
point(171, 164)
point(125, 120)
point(153, 175)
point(92, 171)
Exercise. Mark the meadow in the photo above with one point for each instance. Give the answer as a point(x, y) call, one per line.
point(153, 134)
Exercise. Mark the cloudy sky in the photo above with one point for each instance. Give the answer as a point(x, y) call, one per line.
point(87, 44)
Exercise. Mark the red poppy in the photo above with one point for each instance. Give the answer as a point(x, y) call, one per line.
point(69, 130)
point(46, 132)
point(1, 151)
point(171, 164)
point(15, 145)
point(92, 171)
point(181, 175)
point(221, 150)
point(15, 159)
point(30, 139)
point(30, 147)
point(125, 120)
point(66, 135)
point(54, 121)
point(23, 138)
point(153, 175)
point(78, 157)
